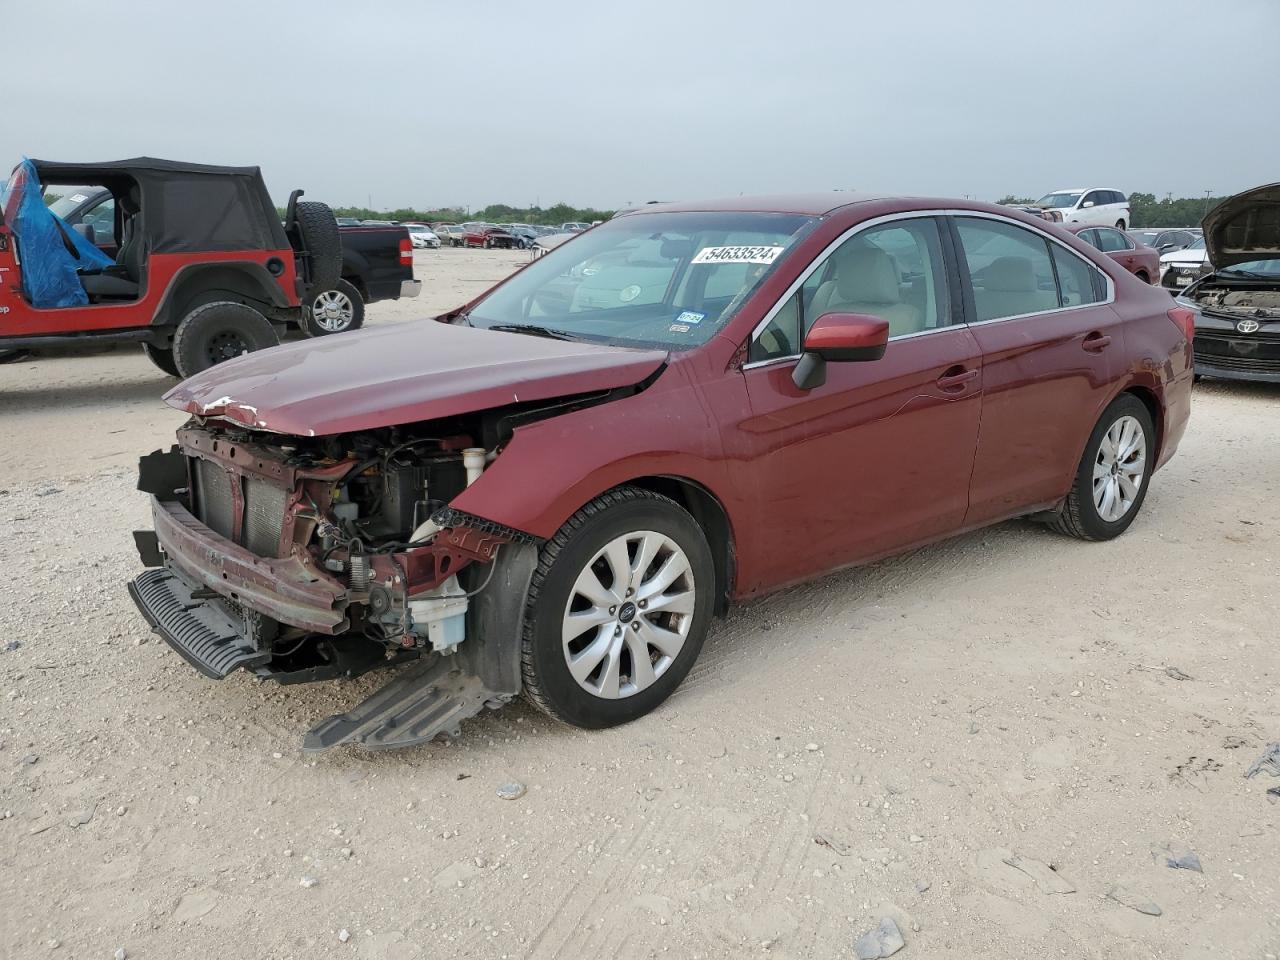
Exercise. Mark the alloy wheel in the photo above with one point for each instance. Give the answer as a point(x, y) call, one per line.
point(628, 614)
point(1118, 469)
point(332, 311)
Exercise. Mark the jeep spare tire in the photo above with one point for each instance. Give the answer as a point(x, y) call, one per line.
point(219, 331)
point(321, 243)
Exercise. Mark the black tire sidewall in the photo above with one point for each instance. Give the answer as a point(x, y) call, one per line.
point(199, 327)
point(1126, 405)
point(162, 357)
point(568, 700)
point(313, 329)
point(322, 242)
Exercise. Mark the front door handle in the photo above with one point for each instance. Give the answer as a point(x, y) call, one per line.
point(955, 378)
point(1096, 342)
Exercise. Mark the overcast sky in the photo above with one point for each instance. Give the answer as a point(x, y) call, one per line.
point(422, 104)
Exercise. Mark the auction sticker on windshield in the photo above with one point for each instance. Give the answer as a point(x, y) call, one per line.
point(738, 254)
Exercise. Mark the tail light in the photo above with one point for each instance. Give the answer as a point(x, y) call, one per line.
point(406, 252)
point(1185, 318)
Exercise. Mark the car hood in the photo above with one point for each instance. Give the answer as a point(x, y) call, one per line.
point(1244, 227)
point(402, 374)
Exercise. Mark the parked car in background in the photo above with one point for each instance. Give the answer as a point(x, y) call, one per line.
point(193, 262)
point(422, 236)
point(377, 264)
point(1084, 205)
point(1237, 304)
point(1139, 259)
point(1162, 241)
point(525, 235)
point(348, 221)
point(555, 488)
point(451, 234)
point(488, 236)
point(1181, 268)
point(574, 226)
point(380, 223)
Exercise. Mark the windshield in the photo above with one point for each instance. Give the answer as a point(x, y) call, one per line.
point(660, 279)
point(1196, 244)
point(1265, 268)
point(68, 197)
point(1058, 200)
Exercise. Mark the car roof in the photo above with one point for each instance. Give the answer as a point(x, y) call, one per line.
point(809, 204)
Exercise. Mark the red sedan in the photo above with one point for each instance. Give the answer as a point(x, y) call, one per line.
point(487, 236)
point(555, 488)
point(1142, 261)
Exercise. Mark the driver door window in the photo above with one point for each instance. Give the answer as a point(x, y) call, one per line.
point(894, 271)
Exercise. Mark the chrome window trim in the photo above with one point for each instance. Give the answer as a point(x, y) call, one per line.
point(918, 215)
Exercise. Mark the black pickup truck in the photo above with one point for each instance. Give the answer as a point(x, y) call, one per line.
point(377, 262)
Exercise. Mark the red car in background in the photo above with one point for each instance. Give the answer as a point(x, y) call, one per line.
point(1142, 261)
point(554, 488)
point(488, 236)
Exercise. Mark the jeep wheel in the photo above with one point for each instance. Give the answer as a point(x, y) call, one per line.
point(219, 331)
point(322, 243)
point(162, 357)
point(617, 609)
point(333, 311)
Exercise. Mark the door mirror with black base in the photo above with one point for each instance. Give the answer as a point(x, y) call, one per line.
point(839, 338)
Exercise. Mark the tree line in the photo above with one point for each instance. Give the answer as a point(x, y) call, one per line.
point(1147, 212)
point(494, 213)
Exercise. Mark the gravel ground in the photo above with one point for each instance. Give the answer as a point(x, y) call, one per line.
point(873, 745)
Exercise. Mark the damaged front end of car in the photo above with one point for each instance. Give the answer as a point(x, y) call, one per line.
point(310, 558)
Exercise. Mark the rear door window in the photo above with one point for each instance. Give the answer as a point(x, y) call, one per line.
point(1008, 267)
point(1078, 282)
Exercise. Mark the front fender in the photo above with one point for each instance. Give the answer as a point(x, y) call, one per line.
point(551, 468)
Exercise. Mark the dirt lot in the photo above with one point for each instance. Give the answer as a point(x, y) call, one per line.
point(927, 717)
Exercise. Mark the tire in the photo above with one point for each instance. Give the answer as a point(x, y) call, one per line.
point(322, 243)
point(638, 520)
point(1119, 224)
point(339, 310)
point(219, 331)
point(162, 357)
point(1086, 513)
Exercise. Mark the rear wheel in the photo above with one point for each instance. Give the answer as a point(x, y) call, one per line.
point(333, 311)
point(162, 357)
point(322, 242)
point(218, 331)
point(1111, 481)
point(617, 609)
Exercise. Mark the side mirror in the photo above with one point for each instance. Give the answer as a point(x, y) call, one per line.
point(1087, 203)
point(85, 230)
point(839, 338)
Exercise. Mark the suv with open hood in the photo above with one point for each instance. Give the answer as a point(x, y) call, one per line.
point(1237, 305)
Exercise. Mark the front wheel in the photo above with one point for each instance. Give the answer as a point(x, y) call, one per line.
point(1111, 481)
point(219, 331)
point(333, 311)
point(617, 609)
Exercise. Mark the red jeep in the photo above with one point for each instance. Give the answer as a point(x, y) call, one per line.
point(203, 268)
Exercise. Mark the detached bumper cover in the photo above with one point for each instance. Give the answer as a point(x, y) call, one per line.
point(284, 589)
point(205, 635)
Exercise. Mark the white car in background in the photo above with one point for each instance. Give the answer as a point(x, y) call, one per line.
point(1178, 268)
point(422, 236)
point(1100, 205)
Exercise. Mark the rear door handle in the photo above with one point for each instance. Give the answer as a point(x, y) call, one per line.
point(955, 378)
point(1096, 342)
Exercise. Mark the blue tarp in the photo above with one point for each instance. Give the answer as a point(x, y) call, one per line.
point(48, 268)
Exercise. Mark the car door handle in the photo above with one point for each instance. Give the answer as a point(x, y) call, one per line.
point(1096, 342)
point(955, 378)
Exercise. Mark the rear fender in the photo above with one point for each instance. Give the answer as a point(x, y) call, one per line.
point(240, 281)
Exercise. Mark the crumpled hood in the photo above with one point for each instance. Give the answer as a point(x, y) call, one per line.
point(402, 374)
point(1244, 227)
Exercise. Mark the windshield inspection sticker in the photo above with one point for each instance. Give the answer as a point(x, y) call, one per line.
point(690, 316)
point(738, 254)
point(79, 198)
point(678, 328)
